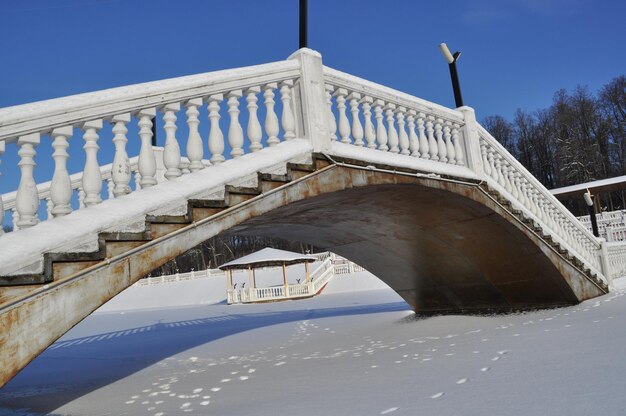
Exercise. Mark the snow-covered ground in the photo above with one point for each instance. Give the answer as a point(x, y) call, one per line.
point(346, 352)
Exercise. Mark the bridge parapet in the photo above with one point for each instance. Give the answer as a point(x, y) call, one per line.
point(22, 128)
point(528, 195)
point(315, 102)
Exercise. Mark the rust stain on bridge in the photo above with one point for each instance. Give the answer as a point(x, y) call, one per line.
point(445, 246)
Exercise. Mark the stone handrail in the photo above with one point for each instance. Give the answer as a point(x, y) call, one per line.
point(526, 193)
point(403, 123)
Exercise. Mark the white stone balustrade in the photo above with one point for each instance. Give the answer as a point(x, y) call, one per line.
point(317, 103)
point(403, 124)
point(537, 202)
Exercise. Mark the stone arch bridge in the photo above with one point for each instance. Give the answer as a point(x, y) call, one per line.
point(419, 194)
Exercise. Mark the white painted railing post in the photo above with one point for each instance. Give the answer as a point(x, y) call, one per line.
point(255, 134)
point(216, 137)
point(287, 120)
point(403, 138)
point(61, 187)
point(120, 171)
point(313, 99)
point(344, 124)
point(171, 150)
point(392, 133)
point(271, 119)
point(92, 178)
point(357, 128)
point(195, 150)
point(369, 131)
point(147, 161)
point(235, 132)
point(2, 147)
point(471, 142)
point(27, 199)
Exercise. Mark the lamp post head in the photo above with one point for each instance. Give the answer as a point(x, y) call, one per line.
point(446, 53)
point(588, 200)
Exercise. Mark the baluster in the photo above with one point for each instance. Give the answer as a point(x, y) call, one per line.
point(499, 168)
point(271, 119)
point(137, 180)
point(391, 128)
point(344, 124)
point(27, 198)
point(450, 153)
point(414, 143)
point(49, 206)
point(195, 148)
point(147, 160)
point(61, 187)
point(81, 197)
point(506, 169)
point(492, 165)
point(403, 138)
point(332, 122)
point(441, 145)
point(216, 137)
point(518, 185)
point(235, 132)
point(422, 136)
point(2, 148)
point(512, 181)
point(287, 120)
point(381, 132)
point(458, 151)
point(483, 152)
point(357, 128)
point(92, 178)
point(110, 187)
point(528, 203)
point(15, 218)
point(254, 126)
point(120, 171)
point(432, 143)
point(171, 150)
point(370, 133)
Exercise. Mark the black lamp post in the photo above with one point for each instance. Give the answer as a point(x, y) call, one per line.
point(592, 212)
point(452, 58)
point(303, 24)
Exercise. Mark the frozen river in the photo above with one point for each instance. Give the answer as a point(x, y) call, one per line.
point(345, 352)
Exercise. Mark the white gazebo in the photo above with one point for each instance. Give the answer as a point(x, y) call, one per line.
point(271, 257)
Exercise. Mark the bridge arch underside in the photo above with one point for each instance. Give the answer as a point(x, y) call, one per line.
point(445, 247)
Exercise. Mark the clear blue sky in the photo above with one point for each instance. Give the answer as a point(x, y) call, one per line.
point(515, 53)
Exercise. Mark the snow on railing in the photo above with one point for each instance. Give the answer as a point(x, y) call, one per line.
point(438, 136)
point(510, 177)
point(23, 127)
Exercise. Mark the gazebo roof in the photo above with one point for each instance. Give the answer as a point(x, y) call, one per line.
point(267, 257)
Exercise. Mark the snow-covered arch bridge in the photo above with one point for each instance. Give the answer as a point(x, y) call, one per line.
point(422, 196)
